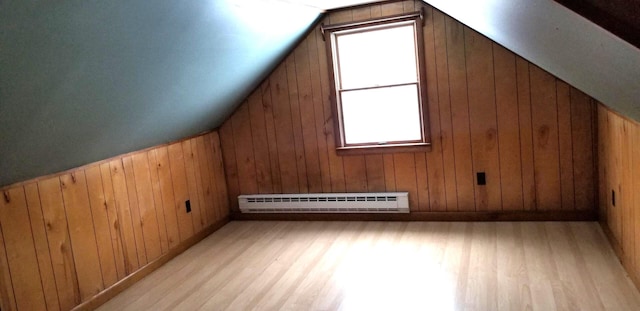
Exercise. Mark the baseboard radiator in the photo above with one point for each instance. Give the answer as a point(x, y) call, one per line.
point(381, 202)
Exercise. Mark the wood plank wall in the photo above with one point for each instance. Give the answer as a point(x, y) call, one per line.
point(490, 111)
point(68, 237)
point(619, 173)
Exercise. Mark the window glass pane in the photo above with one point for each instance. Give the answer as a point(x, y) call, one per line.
point(379, 57)
point(381, 115)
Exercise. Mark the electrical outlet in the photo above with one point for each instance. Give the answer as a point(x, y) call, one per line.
point(482, 178)
point(613, 197)
point(187, 203)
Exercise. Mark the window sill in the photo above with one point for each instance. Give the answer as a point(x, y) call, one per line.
point(396, 148)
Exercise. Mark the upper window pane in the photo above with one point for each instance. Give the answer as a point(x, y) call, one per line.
point(362, 55)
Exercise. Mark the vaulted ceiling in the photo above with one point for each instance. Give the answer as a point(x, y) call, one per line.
point(561, 42)
point(82, 81)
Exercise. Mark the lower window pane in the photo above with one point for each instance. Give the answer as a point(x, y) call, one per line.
point(381, 115)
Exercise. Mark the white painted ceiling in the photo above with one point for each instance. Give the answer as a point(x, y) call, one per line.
point(325, 5)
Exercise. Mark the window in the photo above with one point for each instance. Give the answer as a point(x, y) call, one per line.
point(378, 94)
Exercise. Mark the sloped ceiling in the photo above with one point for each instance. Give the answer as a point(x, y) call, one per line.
point(82, 81)
point(326, 5)
point(561, 42)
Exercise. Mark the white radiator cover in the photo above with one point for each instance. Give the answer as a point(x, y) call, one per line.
point(378, 202)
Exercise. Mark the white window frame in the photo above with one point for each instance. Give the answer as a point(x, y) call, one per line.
point(331, 32)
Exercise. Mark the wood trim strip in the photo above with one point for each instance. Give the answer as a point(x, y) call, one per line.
point(380, 149)
point(555, 215)
point(422, 78)
point(131, 279)
point(366, 88)
point(371, 22)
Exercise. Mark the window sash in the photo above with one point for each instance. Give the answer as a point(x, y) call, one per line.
point(407, 71)
point(414, 105)
point(342, 148)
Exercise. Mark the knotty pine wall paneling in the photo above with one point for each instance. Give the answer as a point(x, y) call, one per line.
point(510, 159)
point(489, 111)
point(441, 167)
point(55, 222)
point(619, 173)
point(68, 237)
point(84, 246)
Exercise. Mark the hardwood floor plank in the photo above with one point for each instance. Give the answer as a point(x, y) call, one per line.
point(612, 283)
point(482, 293)
point(320, 275)
point(146, 294)
point(513, 292)
point(277, 265)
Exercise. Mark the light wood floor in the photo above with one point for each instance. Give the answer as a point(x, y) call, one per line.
point(390, 266)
